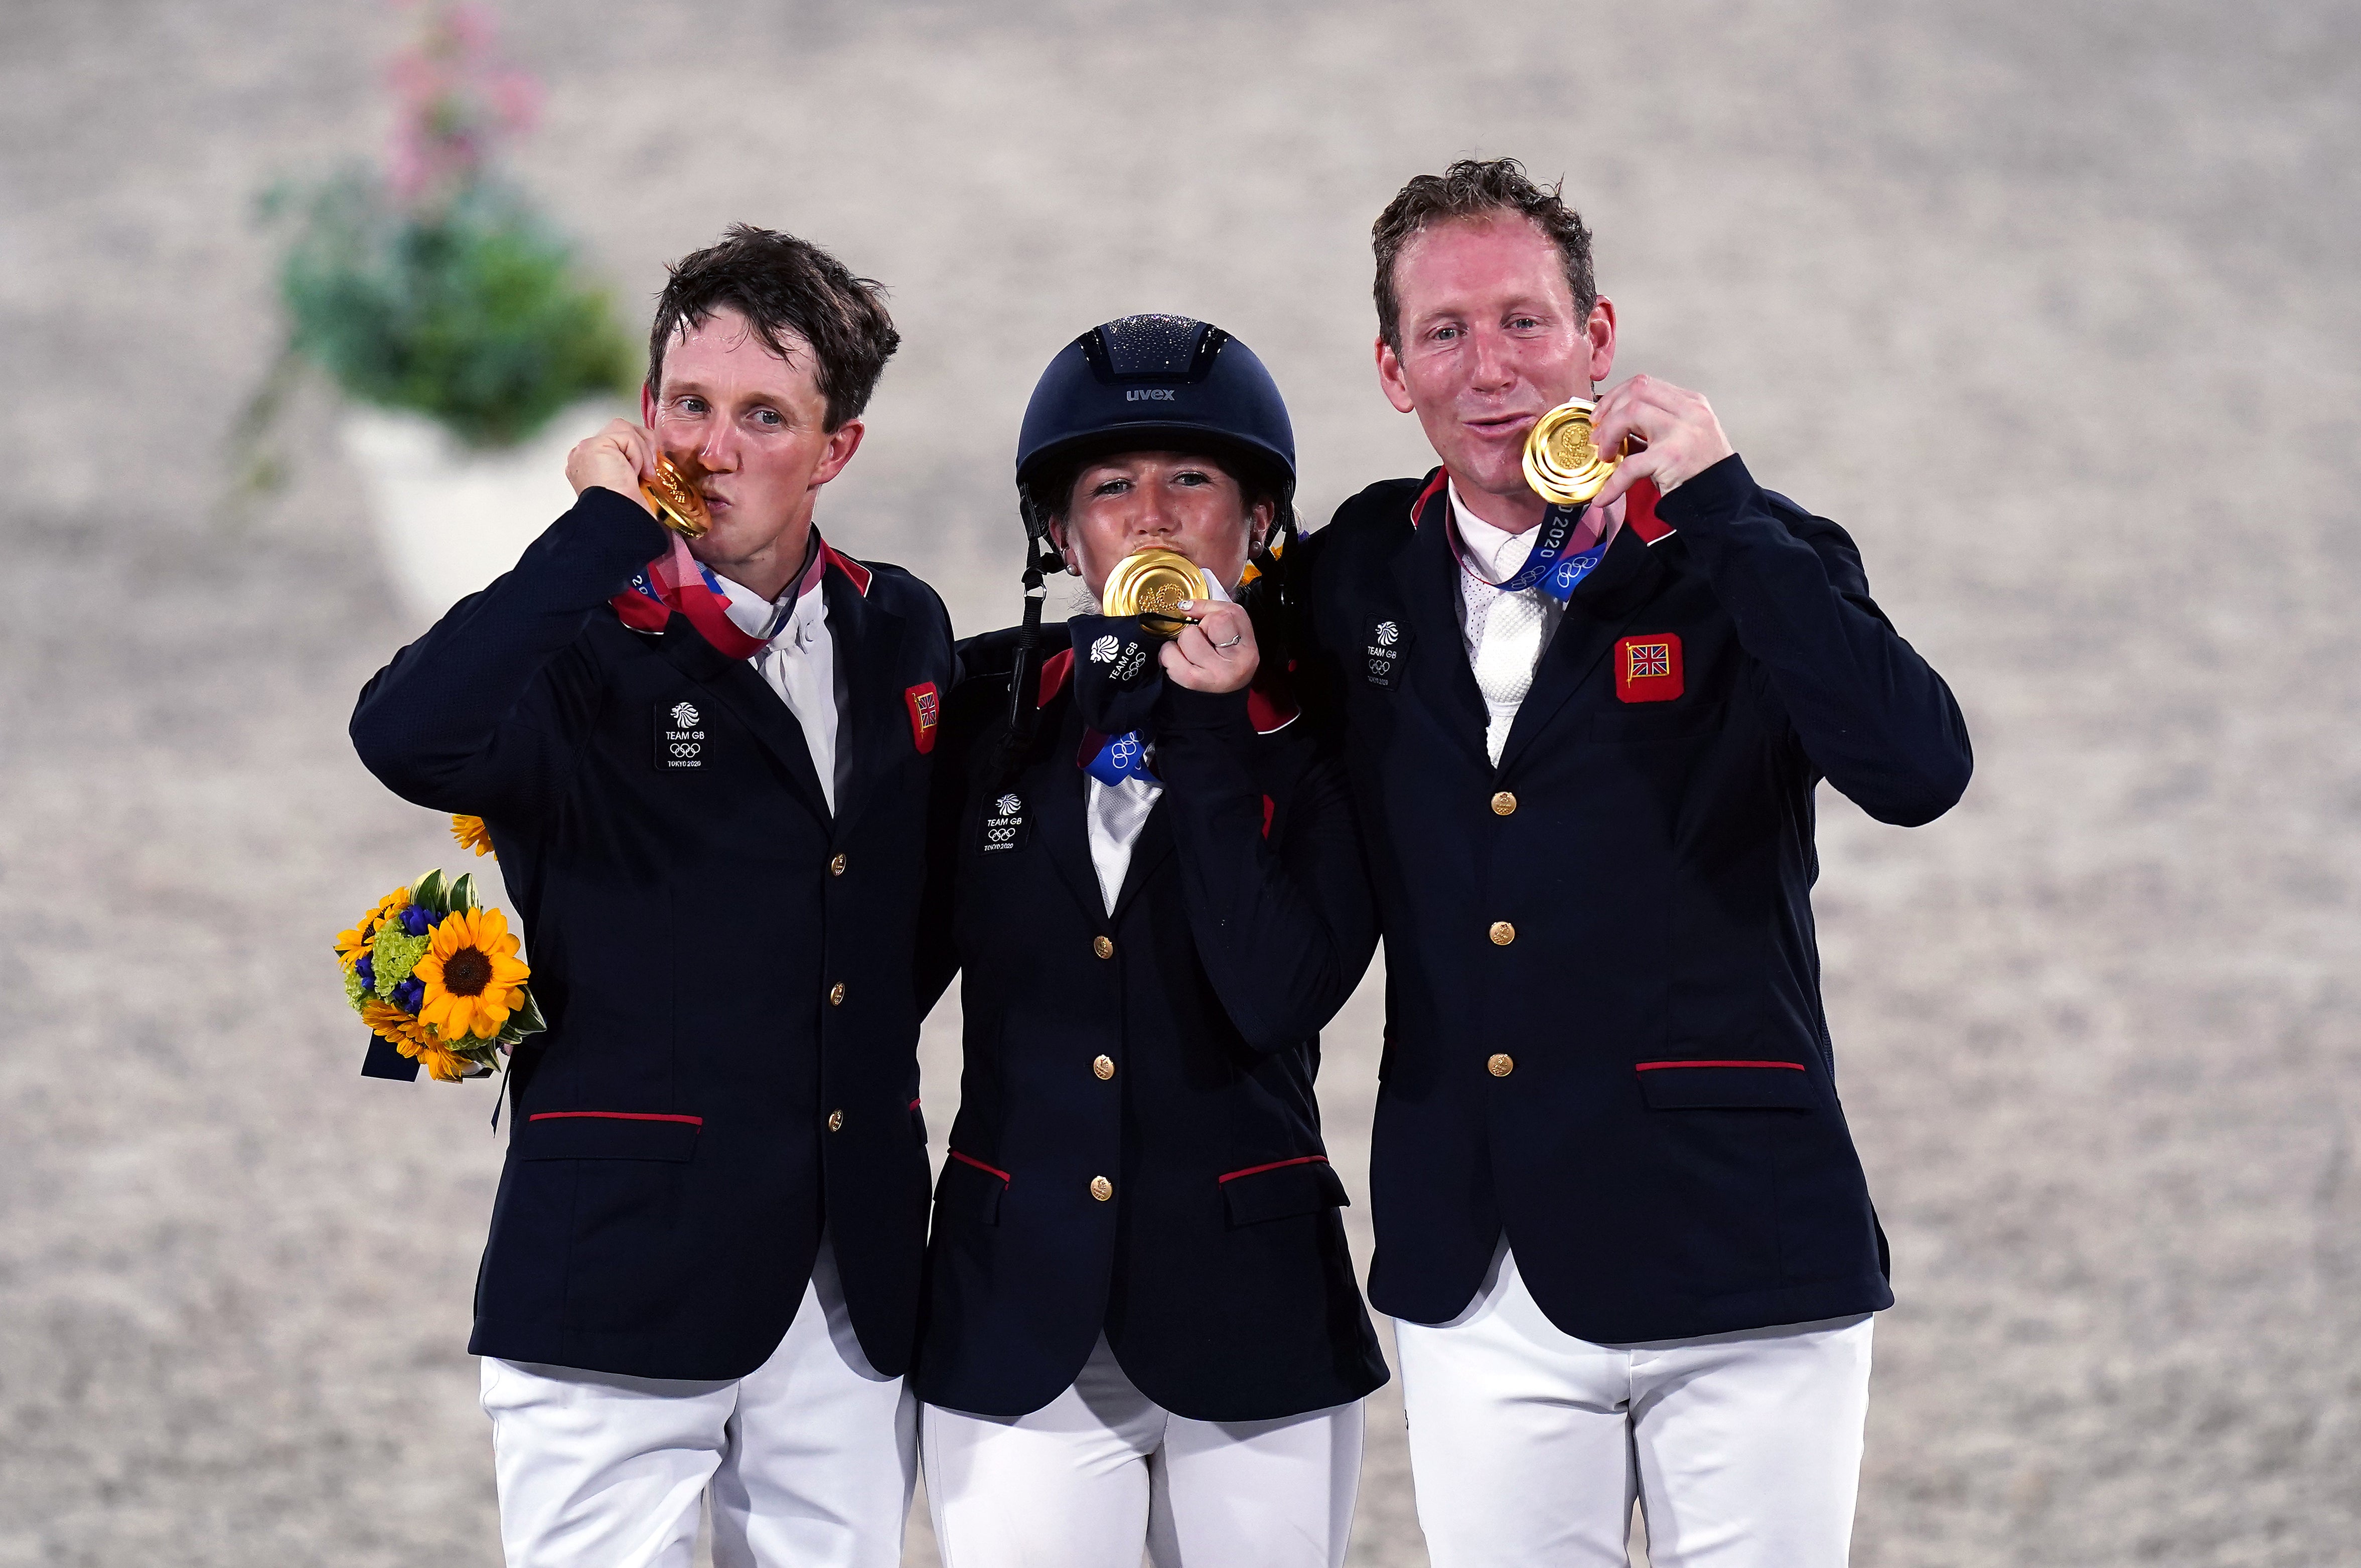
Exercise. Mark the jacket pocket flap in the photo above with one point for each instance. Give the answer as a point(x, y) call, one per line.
point(1274, 1191)
point(607, 1134)
point(1654, 721)
point(971, 1190)
point(1726, 1085)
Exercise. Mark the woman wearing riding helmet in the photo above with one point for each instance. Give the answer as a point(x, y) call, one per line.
point(1142, 1328)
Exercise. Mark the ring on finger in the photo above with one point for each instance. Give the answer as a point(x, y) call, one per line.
point(1235, 638)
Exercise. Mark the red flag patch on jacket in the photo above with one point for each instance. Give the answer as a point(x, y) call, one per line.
point(1648, 668)
point(926, 706)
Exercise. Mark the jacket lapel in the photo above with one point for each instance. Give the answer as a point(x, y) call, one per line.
point(1057, 786)
point(868, 639)
point(1149, 852)
point(1603, 604)
point(751, 702)
point(1440, 678)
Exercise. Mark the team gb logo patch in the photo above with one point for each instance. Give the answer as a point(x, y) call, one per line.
point(1103, 651)
point(685, 714)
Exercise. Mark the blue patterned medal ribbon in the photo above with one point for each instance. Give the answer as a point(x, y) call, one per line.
point(1121, 758)
point(1549, 566)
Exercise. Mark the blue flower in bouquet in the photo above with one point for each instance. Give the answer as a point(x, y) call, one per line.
point(409, 994)
point(416, 921)
point(367, 969)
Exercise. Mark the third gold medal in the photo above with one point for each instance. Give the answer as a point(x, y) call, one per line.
point(1562, 463)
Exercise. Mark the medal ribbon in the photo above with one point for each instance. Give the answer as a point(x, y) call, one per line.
point(676, 581)
point(1550, 566)
point(1119, 758)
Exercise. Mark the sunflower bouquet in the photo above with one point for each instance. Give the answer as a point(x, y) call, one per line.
point(436, 976)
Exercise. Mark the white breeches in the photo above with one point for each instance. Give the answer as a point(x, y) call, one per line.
point(1528, 1445)
point(809, 1458)
point(1102, 1473)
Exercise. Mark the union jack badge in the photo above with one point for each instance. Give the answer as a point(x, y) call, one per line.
point(926, 706)
point(1648, 668)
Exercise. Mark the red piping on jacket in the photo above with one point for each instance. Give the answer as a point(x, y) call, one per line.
point(1054, 671)
point(1277, 1165)
point(615, 1116)
point(857, 574)
point(989, 1169)
point(1652, 1066)
point(1441, 476)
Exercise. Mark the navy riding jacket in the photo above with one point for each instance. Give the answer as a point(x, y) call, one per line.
point(730, 1062)
point(1605, 1036)
point(1138, 1150)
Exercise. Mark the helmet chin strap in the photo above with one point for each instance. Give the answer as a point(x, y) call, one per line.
point(1041, 555)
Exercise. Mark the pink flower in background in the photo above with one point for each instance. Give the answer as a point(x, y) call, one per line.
point(454, 102)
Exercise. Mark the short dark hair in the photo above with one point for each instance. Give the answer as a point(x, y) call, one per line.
point(783, 285)
point(1474, 189)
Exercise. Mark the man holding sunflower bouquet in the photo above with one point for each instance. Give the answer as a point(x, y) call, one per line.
point(704, 765)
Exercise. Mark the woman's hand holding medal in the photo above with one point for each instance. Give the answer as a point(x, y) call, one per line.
point(1217, 653)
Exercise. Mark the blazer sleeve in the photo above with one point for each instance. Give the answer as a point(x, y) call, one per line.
point(488, 710)
point(1871, 715)
point(1285, 932)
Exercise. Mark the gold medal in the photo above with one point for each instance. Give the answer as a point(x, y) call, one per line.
point(673, 492)
point(1151, 585)
point(1562, 464)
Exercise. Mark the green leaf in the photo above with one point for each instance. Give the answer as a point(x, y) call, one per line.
point(429, 894)
point(519, 1024)
point(463, 891)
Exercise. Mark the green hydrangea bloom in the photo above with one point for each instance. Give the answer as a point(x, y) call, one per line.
point(353, 989)
point(395, 953)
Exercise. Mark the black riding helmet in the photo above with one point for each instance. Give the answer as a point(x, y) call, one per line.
point(1146, 383)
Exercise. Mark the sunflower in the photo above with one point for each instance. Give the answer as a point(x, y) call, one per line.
point(473, 834)
point(397, 1028)
point(355, 943)
point(446, 1066)
point(474, 979)
point(411, 1038)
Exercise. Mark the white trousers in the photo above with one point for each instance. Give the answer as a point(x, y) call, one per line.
point(1528, 1445)
point(809, 1458)
point(1103, 1472)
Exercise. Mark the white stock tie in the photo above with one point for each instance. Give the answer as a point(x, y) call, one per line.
point(1509, 648)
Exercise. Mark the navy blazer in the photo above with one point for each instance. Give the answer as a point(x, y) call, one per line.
point(1169, 1048)
point(1605, 1036)
point(724, 966)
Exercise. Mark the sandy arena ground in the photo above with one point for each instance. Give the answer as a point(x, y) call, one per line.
point(2052, 305)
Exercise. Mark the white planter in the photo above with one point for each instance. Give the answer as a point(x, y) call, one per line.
point(450, 519)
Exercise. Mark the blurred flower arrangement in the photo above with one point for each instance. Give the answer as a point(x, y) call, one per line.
point(435, 286)
point(437, 977)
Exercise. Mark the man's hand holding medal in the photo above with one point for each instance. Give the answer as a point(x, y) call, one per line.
point(1678, 437)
